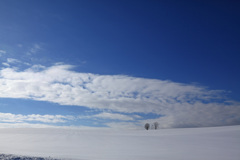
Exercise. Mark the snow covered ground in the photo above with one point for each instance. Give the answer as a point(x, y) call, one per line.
point(16, 157)
point(215, 143)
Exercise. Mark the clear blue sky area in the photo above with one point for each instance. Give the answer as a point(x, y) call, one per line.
point(192, 47)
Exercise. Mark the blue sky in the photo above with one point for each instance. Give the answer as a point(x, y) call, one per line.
point(119, 64)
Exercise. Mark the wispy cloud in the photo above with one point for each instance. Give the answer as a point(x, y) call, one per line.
point(26, 125)
point(6, 64)
point(12, 60)
point(34, 49)
point(2, 52)
point(115, 116)
point(177, 104)
point(19, 118)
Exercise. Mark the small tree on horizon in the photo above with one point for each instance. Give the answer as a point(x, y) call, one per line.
point(147, 125)
point(155, 124)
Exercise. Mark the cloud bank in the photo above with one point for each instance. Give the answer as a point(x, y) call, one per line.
point(177, 104)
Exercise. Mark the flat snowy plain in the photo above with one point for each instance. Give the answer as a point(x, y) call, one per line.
point(213, 143)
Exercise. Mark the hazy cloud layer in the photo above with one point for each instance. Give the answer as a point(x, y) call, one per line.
point(180, 105)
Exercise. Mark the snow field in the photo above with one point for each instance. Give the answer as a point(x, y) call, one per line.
point(215, 143)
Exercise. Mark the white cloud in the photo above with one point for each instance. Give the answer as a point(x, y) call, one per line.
point(19, 118)
point(12, 60)
point(180, 104)
point(39, 125)
point(6, 64)
point(25, 125)
point(34, 49)
point(2, 52)
point(116, 116)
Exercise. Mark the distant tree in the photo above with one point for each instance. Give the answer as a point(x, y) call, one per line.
point(147, 125)
point(152, 126)
point(155, 124)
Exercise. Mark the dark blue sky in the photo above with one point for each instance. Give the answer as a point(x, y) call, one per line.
point(190, 42)
point(183, 41)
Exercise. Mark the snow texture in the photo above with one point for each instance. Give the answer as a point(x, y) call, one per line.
point(15, 157)
point(213, 143)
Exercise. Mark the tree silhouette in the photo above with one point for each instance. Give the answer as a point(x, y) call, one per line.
point(155, 124)
point(147, 125)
